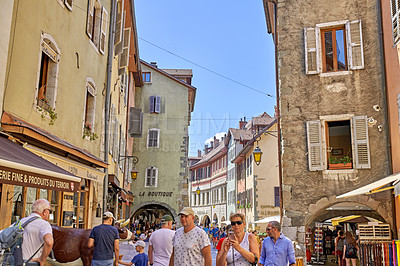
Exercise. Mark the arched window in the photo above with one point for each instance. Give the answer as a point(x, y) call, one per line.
point(90, 106)
point(49, 57)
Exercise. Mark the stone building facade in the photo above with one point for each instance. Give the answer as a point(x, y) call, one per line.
point(331, 108)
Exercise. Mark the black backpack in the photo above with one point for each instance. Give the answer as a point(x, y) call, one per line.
point(11, 244)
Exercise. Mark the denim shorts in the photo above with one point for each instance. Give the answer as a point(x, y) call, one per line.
point(103, 262)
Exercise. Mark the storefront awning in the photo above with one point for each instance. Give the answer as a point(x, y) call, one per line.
point(268, 219)
point(377, 186)
point(18, 166)
point(336, 221)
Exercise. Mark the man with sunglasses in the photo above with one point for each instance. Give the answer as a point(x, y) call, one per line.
point(37, 233)
point(277, 249)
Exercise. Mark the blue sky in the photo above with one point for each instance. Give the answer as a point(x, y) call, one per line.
point(227, 37)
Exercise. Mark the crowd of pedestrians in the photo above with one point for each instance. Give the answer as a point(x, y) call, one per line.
point(188, 245)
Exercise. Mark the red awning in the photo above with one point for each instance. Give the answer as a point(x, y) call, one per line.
point(18, 166)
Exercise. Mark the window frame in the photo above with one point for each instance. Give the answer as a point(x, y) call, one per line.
point(90, 89)
point(395, 18)
point(334, 48)
point(158, 137)
point(48, 48)
point(144, 74)
point(155, 177)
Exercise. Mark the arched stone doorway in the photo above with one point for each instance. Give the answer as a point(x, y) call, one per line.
point(196, 220)
point(215, 219)
point(148, 215)
point(206, 221)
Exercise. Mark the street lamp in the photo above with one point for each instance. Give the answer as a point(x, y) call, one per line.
point(135, 160)
point(257, 153)
point(198, 190)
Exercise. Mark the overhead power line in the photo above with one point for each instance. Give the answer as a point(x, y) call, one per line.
point(207, 69)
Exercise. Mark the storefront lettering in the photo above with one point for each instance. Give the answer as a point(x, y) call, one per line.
point(155, 194)
point(23, 179)
point(91, 176)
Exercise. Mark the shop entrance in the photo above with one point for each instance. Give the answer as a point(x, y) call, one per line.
point(323, 229)
point(149, 217)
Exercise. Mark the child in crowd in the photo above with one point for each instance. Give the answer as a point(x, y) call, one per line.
point(141, 259)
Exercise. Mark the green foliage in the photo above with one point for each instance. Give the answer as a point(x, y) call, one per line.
point(344, 160)
point(51, 112)
point(87, 132)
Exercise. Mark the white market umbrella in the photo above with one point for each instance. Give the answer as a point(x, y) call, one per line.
point(268, 219)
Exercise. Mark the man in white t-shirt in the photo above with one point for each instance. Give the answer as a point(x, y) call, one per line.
point(160, 243)
point(191, 244)
point(38, 232)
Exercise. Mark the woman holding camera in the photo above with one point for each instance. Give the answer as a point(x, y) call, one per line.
point(239, 247)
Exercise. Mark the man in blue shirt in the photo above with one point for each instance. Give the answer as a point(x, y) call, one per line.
point(277, 249)
point(105, 239)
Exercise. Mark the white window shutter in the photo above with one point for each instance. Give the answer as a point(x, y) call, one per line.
point(155, 177)
point(124, 57)
point(119, 25)
point(311, 46)
point(90, 18)
point(314, 142)
point(151, 104)
point(157, 107)
point(69, 4)
point(118, 46)
point(355, 52)
point(97, 26)
point(103, 30)
point(361, 143)
point(395, 7)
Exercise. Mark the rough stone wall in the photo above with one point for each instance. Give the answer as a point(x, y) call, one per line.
point(308, 97)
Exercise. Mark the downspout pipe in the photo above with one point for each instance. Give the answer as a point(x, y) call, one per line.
point(385, 103)
point(110, 58)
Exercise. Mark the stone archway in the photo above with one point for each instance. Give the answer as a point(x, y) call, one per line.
point(215, 219)
point(206, 221)
point(148, 215)
point(196, 220)
point(162, 204)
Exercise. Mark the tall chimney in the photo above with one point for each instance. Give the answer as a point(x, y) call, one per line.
point(211, 145)
point(154, 64)
point(242, 123)
point(198, 153)
point(216, 142)
point(205, 148)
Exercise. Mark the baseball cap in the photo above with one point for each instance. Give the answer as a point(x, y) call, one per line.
point(167, 218)
point(141, 243)
point(187, 211)
point(108, 215)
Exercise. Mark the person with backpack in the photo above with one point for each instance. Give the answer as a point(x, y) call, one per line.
point(37, 233)
point(339, 246)
point(350, 249)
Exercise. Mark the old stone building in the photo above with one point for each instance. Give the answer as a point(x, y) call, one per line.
point(331, 103)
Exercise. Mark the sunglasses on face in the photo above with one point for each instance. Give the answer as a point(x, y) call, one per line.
point(236, 223)
point(269, 228)
point(50, 211)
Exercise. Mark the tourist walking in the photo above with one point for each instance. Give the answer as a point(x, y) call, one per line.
point(37, 233)
point(277, 249)
point(339, 246)
point(350, 249)
point(160, 243)
point(191, 243)
point(239, 247)
point(105, 240)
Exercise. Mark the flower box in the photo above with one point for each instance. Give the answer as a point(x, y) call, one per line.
point(335, 166)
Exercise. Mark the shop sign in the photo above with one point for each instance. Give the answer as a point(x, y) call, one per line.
point(49, 52)
point(155, 194)
point(29, 179)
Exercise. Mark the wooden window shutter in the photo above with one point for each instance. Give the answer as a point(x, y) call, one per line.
point(135, 122)
point(157, 106)
point(355, 52)
point(90, 18)
point(112, 119)
point(395, 7)
point(361, 143)
point(116, 139)
point(119, 46)
point(151, 104)
point(155, 177)
point(314, 145)
point(124, 57)
point(69, 4)
point(119, 22)
point(97, 26)
point(311, 46)
point(103, 29)
point(277, 196)
point(126, 88)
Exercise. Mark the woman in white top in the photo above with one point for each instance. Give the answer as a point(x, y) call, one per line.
point(239, 248)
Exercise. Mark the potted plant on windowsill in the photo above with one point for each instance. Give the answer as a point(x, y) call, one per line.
point(87, 132)
point(340, 163)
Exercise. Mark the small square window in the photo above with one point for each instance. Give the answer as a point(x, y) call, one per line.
point(146, 77)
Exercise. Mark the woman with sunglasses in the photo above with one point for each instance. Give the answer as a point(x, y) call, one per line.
point(239, 247)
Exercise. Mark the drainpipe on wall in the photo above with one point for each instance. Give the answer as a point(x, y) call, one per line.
point(107, 100)
point(385, 103)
